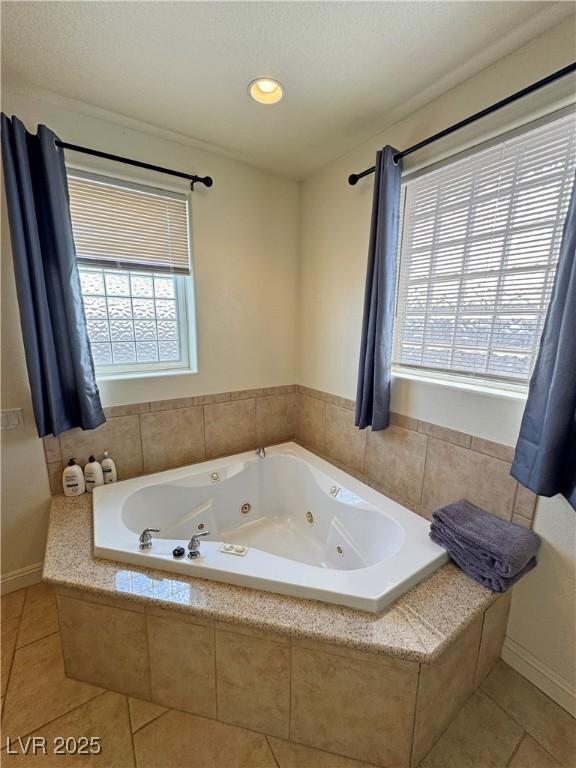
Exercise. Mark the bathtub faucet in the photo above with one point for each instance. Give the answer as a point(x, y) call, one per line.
point(261, 453)
point(146, 537)
point(194, 544)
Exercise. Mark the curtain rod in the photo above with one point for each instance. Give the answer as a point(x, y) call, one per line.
point(206, 180)
point(355, 177)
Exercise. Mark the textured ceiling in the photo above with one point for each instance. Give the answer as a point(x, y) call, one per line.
point(349, 68)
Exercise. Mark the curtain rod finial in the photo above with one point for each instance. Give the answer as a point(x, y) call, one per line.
point(353, 179)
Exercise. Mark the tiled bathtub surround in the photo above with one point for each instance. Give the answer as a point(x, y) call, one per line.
point(423, 466)
point(375, 708)
point(377, 688)
point(151, 437)
point(419, 464)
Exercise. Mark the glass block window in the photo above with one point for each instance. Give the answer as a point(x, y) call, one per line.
point(132, 246)
point(479, 245)
point(135, 320)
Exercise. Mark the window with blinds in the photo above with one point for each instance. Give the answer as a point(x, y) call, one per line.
point(134, 264)
point(119, 224)
point(479, 246)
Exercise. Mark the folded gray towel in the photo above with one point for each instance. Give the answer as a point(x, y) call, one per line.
point(492, 544)
point(475, 566)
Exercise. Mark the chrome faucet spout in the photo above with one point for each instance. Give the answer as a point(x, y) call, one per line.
point(261, 452)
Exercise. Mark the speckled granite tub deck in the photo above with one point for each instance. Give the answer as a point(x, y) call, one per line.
point(417, 627)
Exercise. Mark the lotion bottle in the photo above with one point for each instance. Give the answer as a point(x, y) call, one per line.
point(93, 474)
point(109, 469)
point(73, 479)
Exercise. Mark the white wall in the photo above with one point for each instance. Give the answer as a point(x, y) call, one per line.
point(245, 239)
point(335, 228)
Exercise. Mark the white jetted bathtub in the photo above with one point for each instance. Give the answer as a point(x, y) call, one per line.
point(289, 523)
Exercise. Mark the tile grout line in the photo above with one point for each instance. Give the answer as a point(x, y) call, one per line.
point(215, 670)
point(272, 751)
point(153, 720)
point(37, 639)
point(415, 717)
point(421, 499)
point(141, 442)
point(102, 692)
point(11, 666)
point(148, 654)
point(511, 716)
point(516, 748)
point(131, 732)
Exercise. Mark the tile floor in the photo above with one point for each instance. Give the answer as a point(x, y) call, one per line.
point(507, 723)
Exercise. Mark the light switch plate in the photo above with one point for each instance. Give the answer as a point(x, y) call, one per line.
point(11, 418)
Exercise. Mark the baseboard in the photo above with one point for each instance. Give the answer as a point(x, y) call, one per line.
point(23, 577)
point(550, 683)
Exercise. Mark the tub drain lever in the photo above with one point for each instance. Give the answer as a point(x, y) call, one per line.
point(194, 544)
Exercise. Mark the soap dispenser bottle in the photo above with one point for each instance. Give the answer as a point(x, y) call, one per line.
point(93, 474)
point(73, 479)
point(109, 469)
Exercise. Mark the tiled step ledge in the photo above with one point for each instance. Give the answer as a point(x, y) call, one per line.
point(417, 627)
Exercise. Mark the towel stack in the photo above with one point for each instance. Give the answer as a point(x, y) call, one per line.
point(493, 551)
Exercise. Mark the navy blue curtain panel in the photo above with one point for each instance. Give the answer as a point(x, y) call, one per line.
point(545, 459)
point(58, 356)
point(374, 370)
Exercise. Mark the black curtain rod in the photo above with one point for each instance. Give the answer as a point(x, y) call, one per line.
point(355, 177)
point(206, 180)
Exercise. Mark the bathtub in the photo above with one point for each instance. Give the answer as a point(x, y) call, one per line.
point(289, 523)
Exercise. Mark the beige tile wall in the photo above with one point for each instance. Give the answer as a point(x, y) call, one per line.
point(151, 437)
point(419, 464)
point(423, 466)
point(361, 705)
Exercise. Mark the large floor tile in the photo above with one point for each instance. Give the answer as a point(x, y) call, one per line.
point(179, 740)
point(9, 634)
point(289, 755)
point(549, 724)
point(38, 690)
point(105, 717)
point(531, 755)
point(12, 605)
point(143, 712)
point(482, 736)
point(39, 617)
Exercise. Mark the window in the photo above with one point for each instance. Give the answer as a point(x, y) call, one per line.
point(479, 246)
point(132, 245)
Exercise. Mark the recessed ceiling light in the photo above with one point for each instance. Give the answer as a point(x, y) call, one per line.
point(266, 90)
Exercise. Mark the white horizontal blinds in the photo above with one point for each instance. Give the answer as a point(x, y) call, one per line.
point(129, 227)
point(480, 244)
